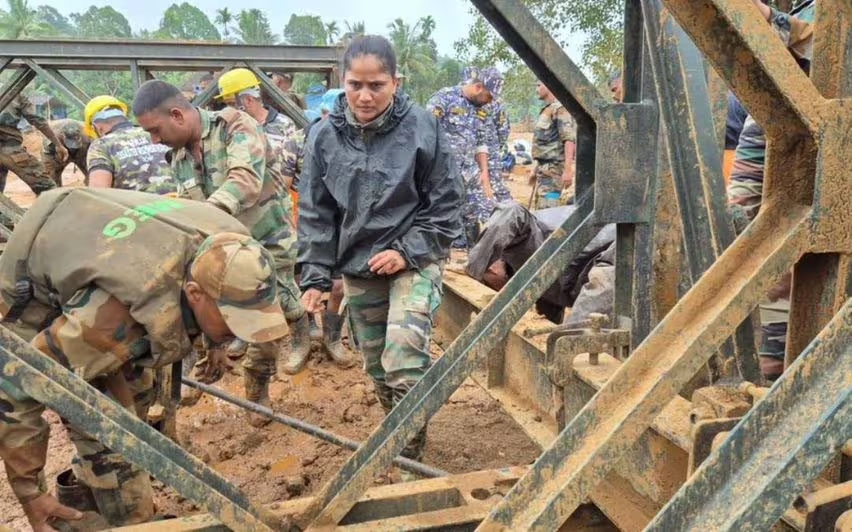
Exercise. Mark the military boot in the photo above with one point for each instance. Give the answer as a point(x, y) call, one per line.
point(300, 345)
point(414, 449)
point(331, 325)
point(257, 391)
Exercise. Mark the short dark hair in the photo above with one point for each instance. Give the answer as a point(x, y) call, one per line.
point(371, 45)
point(156, 94)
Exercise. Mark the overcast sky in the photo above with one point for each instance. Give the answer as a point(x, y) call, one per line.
point(452, 17)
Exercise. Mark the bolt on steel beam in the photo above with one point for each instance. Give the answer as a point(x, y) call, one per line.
point(73, 399)
point(778, 448)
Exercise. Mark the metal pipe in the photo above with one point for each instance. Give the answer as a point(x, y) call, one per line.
point(810, 502)
point(400, 461)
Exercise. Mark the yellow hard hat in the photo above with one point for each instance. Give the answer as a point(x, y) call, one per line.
point(96, 105)
point(235, 81)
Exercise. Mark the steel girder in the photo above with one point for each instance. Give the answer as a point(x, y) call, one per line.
point(800, 214)
point(782, 444)
point(73, 399)
point(165, 55)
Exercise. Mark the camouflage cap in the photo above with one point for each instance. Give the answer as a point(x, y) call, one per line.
point(73, 135)
point(239, 274)
point(489, 76)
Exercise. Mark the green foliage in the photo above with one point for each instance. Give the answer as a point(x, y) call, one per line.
point(253, 28)
point(187, 22)
point(224, 18)
point(22, 22)
point(331, 32)
point(306, 30)
point(101, 23)
point(59, 24)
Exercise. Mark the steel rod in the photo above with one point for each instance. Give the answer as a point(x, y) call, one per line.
point(303, 426)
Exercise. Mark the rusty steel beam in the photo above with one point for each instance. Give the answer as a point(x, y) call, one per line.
point(754, 62)
point(521, 376)
point(455, 502)
point(695, 160)
point(76, 401)
point(609, 424)
point(779, 447)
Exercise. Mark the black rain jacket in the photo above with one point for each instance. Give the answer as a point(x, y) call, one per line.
point(367, 189)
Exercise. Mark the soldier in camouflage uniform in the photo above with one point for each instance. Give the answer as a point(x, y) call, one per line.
point(745, 189)
point(553, 149)
point(14, 157)
point(223, 157)
point(461, 115)
point(239, 88)
point(382, 216)
point(129, 289)
point(70, 133)
point(497, 129)
point(123, 156)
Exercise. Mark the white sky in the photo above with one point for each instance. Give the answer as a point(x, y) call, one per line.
point(452, 17)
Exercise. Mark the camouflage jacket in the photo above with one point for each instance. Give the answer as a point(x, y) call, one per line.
point(497, 128)
point(70, 134)
point(11, 115)
point(553, 129)
point(464, 125)
point(134, 162)
point(286, 143)
point(234, 173)
point(133, 245)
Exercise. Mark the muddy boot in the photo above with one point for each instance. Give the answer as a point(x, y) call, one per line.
point(414, 448)
point(300, 346)
point(257, 391)
point(331, 325)
point(78, 496)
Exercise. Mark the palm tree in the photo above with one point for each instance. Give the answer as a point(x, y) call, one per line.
point(224, 18)
point(352, 31)
point(253, 28)
point(331, 32)
point(21, 22)
point(412, 50)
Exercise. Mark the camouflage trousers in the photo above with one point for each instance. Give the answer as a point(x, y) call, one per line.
point(261, 358)
point(548, 177)
point(97, 339)
point(28, 168)
point(54, 168)
point(391, 321)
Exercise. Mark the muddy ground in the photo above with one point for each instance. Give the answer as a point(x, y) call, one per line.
point(275, 463)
